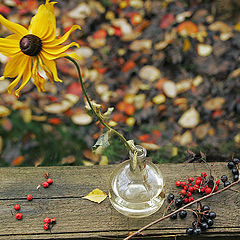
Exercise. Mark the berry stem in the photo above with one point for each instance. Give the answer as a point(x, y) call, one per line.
point(178, 210)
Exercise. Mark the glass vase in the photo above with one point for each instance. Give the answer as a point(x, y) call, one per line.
point(137, 191)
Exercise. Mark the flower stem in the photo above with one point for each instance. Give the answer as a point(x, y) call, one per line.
point(179, 209)
point(94, 111)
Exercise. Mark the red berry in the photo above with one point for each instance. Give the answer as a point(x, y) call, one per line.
point(185, 188)
point(191, 199)
point(198, 182)
point(178, 183)
point(18, 216)
point(49, 181)
point(47, 220)
point(45, 184)
point(198, 178)
point(216, 188)
point(29, 197)
point(191, 189)
point(208, 190)
point(190, 179)
point(46, 226)
point(189, 194)
point(189, 184)
point(183, 184)
point(203, 174)
point(202, 189)
point(218, 181)
point(196, 186)
point(183, 192)
point(185, 200)
point(17, 207)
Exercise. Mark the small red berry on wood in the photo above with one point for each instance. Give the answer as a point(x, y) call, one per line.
point(190, 179)
point(45, 184)
point(46, 226)
point(29, 197)
point(18, 216)
point(204, 174)
point(191, 189)
point(17, 207)
point(49, 181)
point(183, 192)
point(47, 220)
point(178, 183)
point(208, 190)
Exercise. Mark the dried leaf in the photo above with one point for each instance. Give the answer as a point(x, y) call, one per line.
point(189, 119)
point(81, 118)
point(102, 141)
point(149, 73)
point(204, 50)
point(187, 28)
point(68, 160)
point(103, 161)
point(4, 111)
point(170, 89)
point(96, 195)
point(214, 103)
point(220, 26)
point(186, 138)
point(150, 146)
point(4, 85)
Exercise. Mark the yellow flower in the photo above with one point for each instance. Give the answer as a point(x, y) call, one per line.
point(32, 51)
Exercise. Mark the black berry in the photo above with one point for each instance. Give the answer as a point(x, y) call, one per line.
point(235, 177)
point(189, 231)
point(205, 208)
point(224, 178)
point(236, 161)
point(226, 183)
point(179, 202)
point(231, 165)
point(235, 171)
point(197, 231)
point(182, 214)
point(212, 215)
point(174, 216)
point(170, 197)
point(204, 226)
point(209, 222)
point(194, 224)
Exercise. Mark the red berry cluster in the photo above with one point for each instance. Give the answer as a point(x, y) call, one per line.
point(48, 222)
point(18, 215)
point(17, 207)
point(48, 182)
point(201, 184)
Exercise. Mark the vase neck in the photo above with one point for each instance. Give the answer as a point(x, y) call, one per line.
point(140, 164)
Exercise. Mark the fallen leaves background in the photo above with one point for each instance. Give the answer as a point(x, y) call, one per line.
point(170, 68)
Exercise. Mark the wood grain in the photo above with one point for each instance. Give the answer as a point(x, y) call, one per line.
point(79, 218)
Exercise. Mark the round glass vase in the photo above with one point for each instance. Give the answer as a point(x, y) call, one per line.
point(137, 191)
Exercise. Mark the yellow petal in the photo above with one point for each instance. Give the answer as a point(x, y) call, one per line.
point(9, 47)
point(13, 27)
point(54, 52)
point(38, 80)
point(64, 37)
point(10, 69)
point(22, 65)
point(26, 76)
point(51, 66)
point(43, 24)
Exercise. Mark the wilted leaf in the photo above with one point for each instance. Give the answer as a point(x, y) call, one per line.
point(96, 195)
point(204, 50)
point(214, 103)
point(149, 73)
point(150, 146)
point(202, 130)
point(90, 155)
point(102, 141)
point(81, 118)
point(170, 89)
point(103, 160)
point(189, 119)
point(68, 160)
point(4, 85)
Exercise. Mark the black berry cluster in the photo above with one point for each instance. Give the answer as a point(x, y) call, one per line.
point(204, 220)
point(234, 165)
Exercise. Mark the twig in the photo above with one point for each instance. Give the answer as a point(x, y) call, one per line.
point(178, 210)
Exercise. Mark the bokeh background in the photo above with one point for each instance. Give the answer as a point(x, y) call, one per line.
point(170, 68)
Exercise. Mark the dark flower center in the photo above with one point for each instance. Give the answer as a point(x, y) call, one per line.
point(31, 45)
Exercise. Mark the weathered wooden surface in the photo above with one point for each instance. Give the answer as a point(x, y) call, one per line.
point(79, 218)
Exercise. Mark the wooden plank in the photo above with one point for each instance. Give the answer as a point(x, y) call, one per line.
point(78, 218)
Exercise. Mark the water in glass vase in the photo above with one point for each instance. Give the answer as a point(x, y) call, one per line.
point(137, 191)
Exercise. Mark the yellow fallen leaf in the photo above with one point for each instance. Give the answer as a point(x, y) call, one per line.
point(96, 195)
